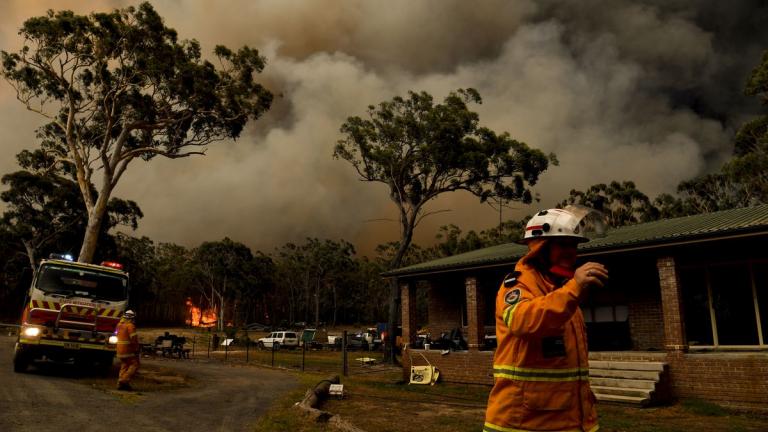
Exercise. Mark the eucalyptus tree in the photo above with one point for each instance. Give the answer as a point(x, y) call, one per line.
point(120, 86)
point(421, 149)
point(44, 208)
point(621, 203)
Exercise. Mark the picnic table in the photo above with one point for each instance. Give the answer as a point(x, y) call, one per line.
point(167, 346)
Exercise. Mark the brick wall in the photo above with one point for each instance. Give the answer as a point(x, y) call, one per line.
point(408, 310)
point(465, 367)
point(671, 302)
point(475, 314)
point(645, 318)
point(737, 380)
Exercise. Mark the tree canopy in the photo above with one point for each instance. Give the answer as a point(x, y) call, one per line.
point(119, 86)
point(45, 211)
point(421, 149)
point(621, 203)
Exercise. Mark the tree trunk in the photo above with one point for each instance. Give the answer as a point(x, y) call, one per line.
point(306, 293)
point(394, 289)
point(317, 303)
point(335, 308)
point(30, 254)
point(95, 219)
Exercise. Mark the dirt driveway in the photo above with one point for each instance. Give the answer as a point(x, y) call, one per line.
point(173, 395)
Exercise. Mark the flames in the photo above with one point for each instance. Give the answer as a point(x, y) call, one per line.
point(200, 317)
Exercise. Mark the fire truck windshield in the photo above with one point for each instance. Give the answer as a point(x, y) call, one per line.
point(82, 282)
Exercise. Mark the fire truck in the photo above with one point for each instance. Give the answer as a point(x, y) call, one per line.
point(71, 312)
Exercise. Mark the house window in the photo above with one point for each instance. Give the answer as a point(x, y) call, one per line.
point(761, 280)
point(698, 322)
point(610, 313)
point(726, 304)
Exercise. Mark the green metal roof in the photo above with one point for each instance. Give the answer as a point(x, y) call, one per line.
point(658, 233)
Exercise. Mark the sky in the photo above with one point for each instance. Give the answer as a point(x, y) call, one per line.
point(649, 91)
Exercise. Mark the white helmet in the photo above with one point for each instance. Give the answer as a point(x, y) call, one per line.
point(573, 221)
point(129, 314)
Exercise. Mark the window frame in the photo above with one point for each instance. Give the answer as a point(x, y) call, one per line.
point(706, 267)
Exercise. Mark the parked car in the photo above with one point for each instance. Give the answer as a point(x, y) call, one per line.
point(281, 339)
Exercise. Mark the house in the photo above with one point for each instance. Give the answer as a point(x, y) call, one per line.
point(686, 308)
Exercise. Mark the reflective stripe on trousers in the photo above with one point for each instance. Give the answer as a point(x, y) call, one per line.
point(488, 427)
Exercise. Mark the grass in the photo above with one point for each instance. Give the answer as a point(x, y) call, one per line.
point(703, 408)
point(378, 401)
point(283, 416)
point(381, 402)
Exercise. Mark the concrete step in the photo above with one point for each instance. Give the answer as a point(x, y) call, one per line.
point(628, 365)
point(625, 374)
point(622, 391)
point(631, 400)
point(623, 383)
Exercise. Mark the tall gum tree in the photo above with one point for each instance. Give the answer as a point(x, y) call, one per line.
point(421, 149)
point(119, 86)
point(44, 209)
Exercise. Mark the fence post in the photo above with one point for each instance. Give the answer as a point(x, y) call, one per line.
point(273, 354)
point(209, 345)
point(345, 366)
point(194, 339)
point(303, 354)
point(226, 348)
point(247, 349)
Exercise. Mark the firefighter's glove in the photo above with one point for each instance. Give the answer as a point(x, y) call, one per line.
point(591, 274)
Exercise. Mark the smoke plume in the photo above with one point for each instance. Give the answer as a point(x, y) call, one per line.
point(648, 91)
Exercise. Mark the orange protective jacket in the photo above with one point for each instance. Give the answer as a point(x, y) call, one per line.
point(127, 339)
point(540, 369)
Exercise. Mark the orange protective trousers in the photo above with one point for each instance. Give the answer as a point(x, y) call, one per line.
point(128, 368)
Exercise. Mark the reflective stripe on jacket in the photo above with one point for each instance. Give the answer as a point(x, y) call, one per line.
point(541, 370)
point(127, 339)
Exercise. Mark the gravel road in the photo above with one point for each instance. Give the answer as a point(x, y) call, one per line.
point(222, 398)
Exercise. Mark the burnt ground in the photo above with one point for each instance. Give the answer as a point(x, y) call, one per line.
point(170, 395)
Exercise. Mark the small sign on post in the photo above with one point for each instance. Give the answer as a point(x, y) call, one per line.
point(336, 390)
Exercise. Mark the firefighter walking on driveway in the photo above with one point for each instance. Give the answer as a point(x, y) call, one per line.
point(540, 368)
point(127, 350)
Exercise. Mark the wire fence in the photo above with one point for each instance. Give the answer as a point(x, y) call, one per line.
point(344, 359)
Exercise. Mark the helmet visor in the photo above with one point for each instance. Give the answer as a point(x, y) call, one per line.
point(591, 222)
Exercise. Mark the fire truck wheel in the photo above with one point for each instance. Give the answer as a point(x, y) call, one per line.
point(20, 361)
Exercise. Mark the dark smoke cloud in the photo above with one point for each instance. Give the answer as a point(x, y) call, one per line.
point(646, 91)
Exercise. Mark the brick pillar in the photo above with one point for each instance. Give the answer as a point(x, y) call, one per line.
point(408, 308)
point(671, 305)
point(475, 314)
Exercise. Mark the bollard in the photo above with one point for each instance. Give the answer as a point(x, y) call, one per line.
point(273, 354)
point(226, 349)
point(303, 354)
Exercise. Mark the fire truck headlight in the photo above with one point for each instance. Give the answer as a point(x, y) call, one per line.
point(32, 331)
point(112, 339)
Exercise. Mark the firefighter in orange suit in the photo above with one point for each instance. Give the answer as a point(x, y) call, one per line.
point(540, 368)
point(127, 350)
